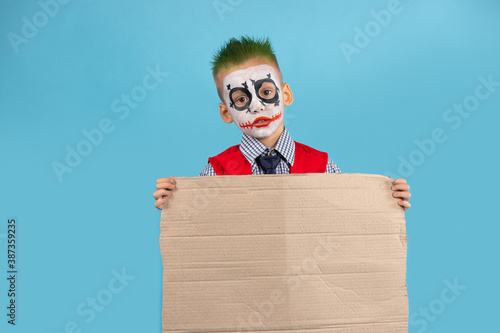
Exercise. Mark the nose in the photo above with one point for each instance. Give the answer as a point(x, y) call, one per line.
point(256, 106)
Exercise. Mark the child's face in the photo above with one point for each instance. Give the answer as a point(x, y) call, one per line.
point(254, 99)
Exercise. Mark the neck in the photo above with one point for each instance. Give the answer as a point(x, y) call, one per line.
point(271, 140)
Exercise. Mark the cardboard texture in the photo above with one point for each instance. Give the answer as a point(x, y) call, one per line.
point(284, 253)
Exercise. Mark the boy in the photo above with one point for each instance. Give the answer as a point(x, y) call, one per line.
point(250, 84)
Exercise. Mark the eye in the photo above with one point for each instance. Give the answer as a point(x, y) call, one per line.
point(267, 91)
point(242, 100)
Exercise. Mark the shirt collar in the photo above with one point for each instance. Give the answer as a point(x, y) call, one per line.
point(251, 147)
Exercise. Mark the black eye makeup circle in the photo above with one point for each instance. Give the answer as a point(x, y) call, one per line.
point(272, 99)
point(248, 95)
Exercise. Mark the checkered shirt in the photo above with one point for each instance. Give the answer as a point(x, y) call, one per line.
point(251, 148)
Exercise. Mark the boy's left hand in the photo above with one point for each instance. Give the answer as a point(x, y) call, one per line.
point(400, 190)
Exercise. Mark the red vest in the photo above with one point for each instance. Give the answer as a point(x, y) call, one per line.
point(232, 162)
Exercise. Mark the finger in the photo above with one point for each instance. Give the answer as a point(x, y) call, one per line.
point(392, 179)
point(401, 187)
point(402, 195)
point(165, 185)
point(162, 180)
point(166, 180)
point(400, 181)
point(159, 203)
point(404, 204)
point(161, 194)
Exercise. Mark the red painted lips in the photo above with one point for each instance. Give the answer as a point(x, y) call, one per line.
point(261, 121)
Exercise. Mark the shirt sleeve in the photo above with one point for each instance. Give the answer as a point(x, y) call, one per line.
point(332, 167)
point(208, 170)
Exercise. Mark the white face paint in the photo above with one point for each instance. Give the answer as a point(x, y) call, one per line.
point(254, 99)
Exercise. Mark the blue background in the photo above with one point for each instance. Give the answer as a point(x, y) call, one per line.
point(366, 113)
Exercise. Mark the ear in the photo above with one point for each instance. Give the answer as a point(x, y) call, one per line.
point(287, 94)
point(224, 113)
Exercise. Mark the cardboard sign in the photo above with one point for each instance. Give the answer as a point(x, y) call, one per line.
point(284, 253)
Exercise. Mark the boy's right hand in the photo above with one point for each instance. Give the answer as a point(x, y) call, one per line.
point(164, 187)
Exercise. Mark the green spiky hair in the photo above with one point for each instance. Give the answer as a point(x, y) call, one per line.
point(235, 52)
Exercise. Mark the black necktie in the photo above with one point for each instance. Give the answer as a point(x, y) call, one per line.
point(269, 163)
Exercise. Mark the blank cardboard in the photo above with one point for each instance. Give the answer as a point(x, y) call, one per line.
point(284, 253)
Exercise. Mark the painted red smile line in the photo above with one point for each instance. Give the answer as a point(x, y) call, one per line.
point(261, 124)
